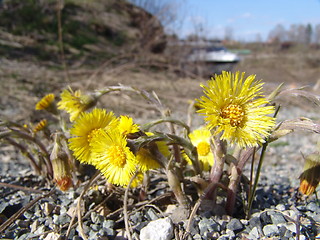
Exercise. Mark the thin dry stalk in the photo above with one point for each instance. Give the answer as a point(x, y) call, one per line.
point(61, 45)
point(26, 189)
point(86, 188)
point(211, 187)
point(125, 208)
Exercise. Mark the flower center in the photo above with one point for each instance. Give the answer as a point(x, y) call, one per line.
point(203, 148)
point(92, 134)
point(117, 156)
point(234, 113)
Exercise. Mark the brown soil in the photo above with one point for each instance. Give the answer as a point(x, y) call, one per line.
point(23, 83)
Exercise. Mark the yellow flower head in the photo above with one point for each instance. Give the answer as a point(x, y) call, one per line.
point(126, 125)
point(310, 177)
point(75, 103)
point(113, 158)
point(86, 127)
point(200, 138)
point(146, 160)
point(40, 126)
point(47, 103)
point(235, 108)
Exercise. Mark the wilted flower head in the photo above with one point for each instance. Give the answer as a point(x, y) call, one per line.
point(235, 108)
point(86, 126)
point(310, 177)
point(113, 158)
point(47, 103)
point(200, 138)
point(75, 103)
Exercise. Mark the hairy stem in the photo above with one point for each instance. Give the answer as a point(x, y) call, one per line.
point(219, 150)
point(235, 177)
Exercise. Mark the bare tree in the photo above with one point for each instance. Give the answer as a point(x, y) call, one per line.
point(165, 11)
point(317, 34)
point(278, 34)
point(308, 33)
point(228, 34)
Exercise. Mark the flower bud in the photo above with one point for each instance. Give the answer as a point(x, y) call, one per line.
point(310, 177)
point(61, 168)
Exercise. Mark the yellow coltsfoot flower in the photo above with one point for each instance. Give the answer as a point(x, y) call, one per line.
point(146, 160)
point(40, 126)
point(127, 126)
point(47, 103)
point(75, 103)
point(113, 158)
point(85, 128)
point(200, 138)
point(235, 108)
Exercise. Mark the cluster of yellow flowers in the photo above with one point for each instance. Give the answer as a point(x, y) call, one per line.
point(100, 139)
point(234, 108)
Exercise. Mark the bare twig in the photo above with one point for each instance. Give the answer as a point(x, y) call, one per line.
point(61, 46)
point(80, 223)
point(26, 189)
point(125, 207)
point(211, 187)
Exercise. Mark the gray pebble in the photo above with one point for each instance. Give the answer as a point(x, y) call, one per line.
point(108, 224)
point(48, 208)
point(254, 233)
point(208, 225)
point(270, 230)
point(97, 218)
point(151, 215)
point(265, 218)
point(235, 225)
point(313, 207)
point(276, 217)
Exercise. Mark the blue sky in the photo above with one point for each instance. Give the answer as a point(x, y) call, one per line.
point(246, 18)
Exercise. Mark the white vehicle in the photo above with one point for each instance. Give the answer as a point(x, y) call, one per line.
point(213, 54)
point(210, 60)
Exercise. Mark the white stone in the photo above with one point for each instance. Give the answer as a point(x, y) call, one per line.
point(160, 229)
point(254, 233)
point(52, 236)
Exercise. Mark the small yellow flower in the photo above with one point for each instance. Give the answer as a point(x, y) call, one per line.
point(200, 138)
point(113, 158)
point(310, 177)
point(47, 103)
point(75, 103)
point(235, 108)
point(126, 125)
point(40, 126)
point(86, 126)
